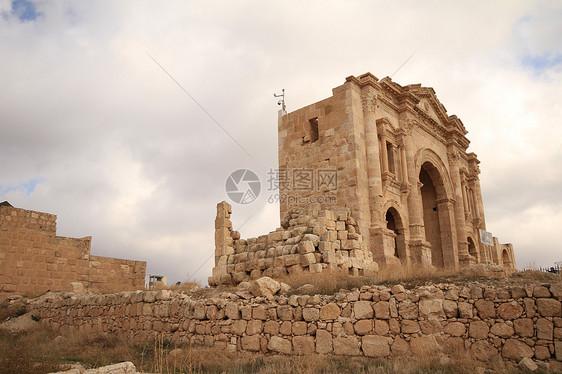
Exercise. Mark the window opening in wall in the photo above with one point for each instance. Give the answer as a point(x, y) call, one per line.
point(390, 153)
point(313, 129)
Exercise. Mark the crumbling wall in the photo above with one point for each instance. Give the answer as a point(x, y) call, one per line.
point(376, 321)
point(34, 260)
point(311, 239)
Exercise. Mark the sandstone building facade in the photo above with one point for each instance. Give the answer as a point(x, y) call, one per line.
point(402, 167)
point(33, 259)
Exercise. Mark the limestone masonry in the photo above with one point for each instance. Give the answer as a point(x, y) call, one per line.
point(34, 260)
point(396, 160)
point(511, 322)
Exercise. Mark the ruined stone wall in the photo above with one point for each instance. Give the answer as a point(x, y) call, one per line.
point(34, 260)
point(310, 239)
point(375, 321)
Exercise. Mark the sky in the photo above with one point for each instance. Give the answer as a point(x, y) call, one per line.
point(126, 118)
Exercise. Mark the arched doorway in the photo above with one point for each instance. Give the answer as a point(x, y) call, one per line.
point(506, 260)
point(431, 215)
point(398, 241)
point(472, 248)
point(437, 214)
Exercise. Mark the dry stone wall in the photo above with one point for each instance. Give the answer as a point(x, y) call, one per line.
point(310, 239)
point(513, 323)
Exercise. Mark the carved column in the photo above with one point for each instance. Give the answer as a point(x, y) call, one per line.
point(420, 249)
point(384, 151)
point(449, 237)
point(223, 244)
point(453, 159)
point(403, 164)
point(374, 176)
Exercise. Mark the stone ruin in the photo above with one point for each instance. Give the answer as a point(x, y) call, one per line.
point(397, 162)
point(311, 239)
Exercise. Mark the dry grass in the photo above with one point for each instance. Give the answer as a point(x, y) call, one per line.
point(538, 275)
point(42, 351)
point(331, 282)
point(185, 287)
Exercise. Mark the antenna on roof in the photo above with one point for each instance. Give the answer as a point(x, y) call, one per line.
point(282, 101)
point(404, 63)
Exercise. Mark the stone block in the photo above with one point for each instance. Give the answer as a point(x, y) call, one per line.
point(510, 311)
point(271, 327)
point(400, 347)
point(524, 327)
point(330, 311)
point(516, 350)
point(424, 345)
point(363, 310)
point(363, 327)
point(299, 328)
point(527, 364)
point(485, 309)
point(254, 327)
point(432, 309)
point(323, 342)
point(251, 343)
point(375, 346)
point(450, 308)
point(239, 327)
point(465, 310)
point(545, 329)
point(286, 328)
point(541, 291)
point(315, 268)
point(308, 259)
point(278, 344)
point(347, 346)
point(285, 312)
point(409, 326)
point(455, 329)
point(502, 330)
point(478, 330)
point(303, 345)
point(264, 286)
point(382, 310)
point(549, 307)
point(408, 310)
point(306, 247)
point(381, 327)
point(310, 314)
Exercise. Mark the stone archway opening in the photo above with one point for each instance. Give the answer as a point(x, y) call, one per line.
point(432, 192)
point(472, 248)
point(506, 260)
point(398, 242)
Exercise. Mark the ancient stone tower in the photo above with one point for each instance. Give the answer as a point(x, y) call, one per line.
point(393, 156)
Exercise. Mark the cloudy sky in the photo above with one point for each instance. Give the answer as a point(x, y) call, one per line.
point(111, 112)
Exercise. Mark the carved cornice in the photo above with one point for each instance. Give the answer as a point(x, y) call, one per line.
point(389, 102)
point(431, 126)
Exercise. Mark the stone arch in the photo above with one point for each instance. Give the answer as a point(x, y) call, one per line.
point(505, 258)
point(436, 191)
point(425, 155)
point(395, 233)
